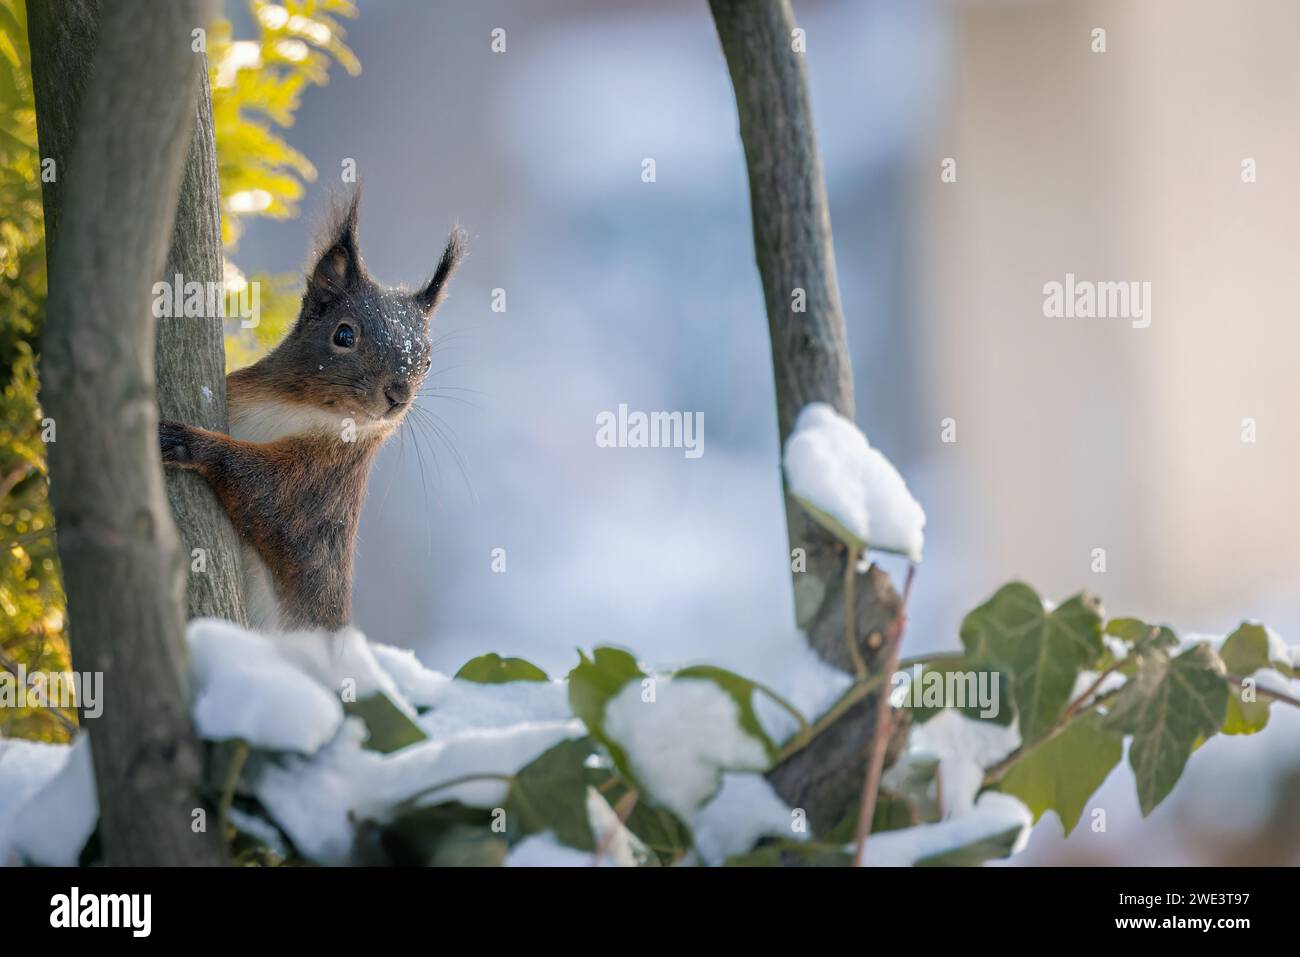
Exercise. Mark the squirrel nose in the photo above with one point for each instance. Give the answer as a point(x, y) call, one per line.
point(397, 392)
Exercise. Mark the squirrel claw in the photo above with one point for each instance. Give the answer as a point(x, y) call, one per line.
point(172, 441)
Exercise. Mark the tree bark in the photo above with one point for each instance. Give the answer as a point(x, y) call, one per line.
point(810, 361)
point(190, 355)
point(191, 366)
point(107, 236)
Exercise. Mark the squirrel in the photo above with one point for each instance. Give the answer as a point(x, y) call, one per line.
point(306, 422)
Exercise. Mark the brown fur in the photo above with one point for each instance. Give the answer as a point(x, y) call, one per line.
point(296, 499)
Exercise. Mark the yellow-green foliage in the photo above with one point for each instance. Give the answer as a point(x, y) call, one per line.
point(31, 599)
point(256, 87)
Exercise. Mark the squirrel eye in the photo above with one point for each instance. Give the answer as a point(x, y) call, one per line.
point(345, 337)
point(427, 363)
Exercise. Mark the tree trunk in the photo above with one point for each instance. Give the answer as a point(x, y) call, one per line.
point(794, 251)
point(191, 365)
point(190, 355)
point(122, 559)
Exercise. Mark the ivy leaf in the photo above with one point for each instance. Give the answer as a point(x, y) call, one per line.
point(1042, 651)
point(550, 793)
point(1061, 774)
point(591, 684)
point(928, 694)
point(832, 524)
point(741, 690)
point(1169, 706)
point(1245, 716)
point(1140, 638)
point(1245, 652)
point(976, 853)
point(492, 669)
point(389, 728)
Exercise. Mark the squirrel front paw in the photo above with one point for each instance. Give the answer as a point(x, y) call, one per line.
point(173, 440)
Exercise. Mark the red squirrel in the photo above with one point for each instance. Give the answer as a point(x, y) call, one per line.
point(306, 422)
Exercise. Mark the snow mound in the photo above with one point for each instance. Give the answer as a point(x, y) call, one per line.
point(48, 807)
point(965, 748)
point(744, 810)
point(246, 688)
point(850, 487)
point(679, 743)
point(992, 816)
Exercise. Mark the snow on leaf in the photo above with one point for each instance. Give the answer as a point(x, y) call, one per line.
point(998, 826)
point(592, 683)
point(744, 810)
point(54, 805)
point(678, 742)
point(849, 487)
point(965, 748)
point(244, 688)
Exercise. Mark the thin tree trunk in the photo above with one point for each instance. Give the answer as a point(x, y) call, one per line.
point(122, 559)
point(190, 352)
point(191, 365)
point(794, 251)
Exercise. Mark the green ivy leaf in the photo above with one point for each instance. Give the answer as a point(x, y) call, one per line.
point(1061, 774)
point(591, 684)
point(1246, 650)
point(1245, 717)
point(389, 728)
point(921, 690)
point(492, 669)
point(741, 690)
point(1140, 638)
point(1169, 706)
point(976, 853)
point(1042, 651)
point(550, 793)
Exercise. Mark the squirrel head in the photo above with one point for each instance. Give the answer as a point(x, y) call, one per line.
point(358, 348)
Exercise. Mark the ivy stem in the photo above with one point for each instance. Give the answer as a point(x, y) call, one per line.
point(1240, 682)
point(880, 734)
point(804, 734)
point(237, 759)
point(411, 801)
point(855, 693)
point(996, 773)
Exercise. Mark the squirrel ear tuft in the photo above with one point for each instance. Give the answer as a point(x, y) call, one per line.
point(432, 294)
point(339, 268)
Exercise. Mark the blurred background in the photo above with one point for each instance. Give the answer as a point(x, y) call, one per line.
point(1072, 435)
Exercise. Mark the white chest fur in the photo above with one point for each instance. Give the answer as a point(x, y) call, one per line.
point(269, 420)
point(265, 422)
